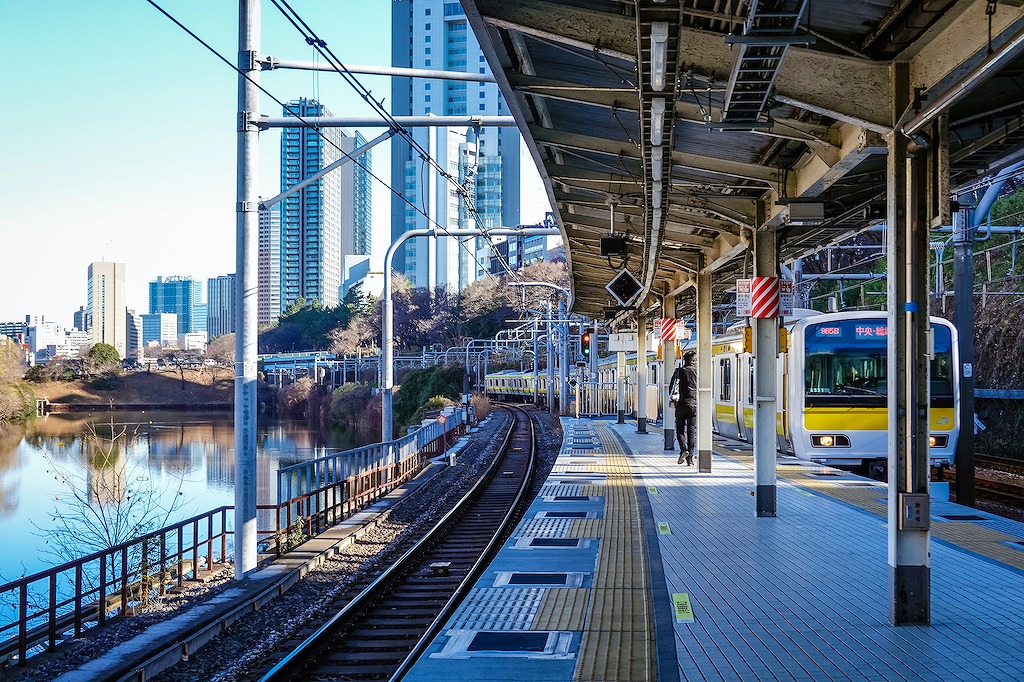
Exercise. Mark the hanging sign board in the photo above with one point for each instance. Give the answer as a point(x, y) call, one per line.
point(785, 297)
point(621, 341)
point(743, 298)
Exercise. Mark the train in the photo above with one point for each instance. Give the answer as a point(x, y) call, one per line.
point(837, 415)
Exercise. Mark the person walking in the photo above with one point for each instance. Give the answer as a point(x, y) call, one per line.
point(686, 407)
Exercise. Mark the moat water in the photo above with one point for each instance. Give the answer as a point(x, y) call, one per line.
point(183, 461)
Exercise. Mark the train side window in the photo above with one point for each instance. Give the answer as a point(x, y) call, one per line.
point(750, 384)
point(726, 375)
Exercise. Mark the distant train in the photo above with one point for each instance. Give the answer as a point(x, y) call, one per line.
point(836, 415)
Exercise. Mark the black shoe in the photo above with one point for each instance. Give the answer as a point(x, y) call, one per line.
point(682, 457)
point(689, 459)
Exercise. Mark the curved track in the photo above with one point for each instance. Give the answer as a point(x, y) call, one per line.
point(383, 627)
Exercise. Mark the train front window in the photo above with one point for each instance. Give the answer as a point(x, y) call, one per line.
point(846, 362)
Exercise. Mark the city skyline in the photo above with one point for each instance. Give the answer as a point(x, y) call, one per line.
point(130, 154)
point(136, 161)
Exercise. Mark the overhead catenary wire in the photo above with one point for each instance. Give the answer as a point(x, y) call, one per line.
point(303, 122)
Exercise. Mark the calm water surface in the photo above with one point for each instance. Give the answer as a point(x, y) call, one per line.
point(183, 458)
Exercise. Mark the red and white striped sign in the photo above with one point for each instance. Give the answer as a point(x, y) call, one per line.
point(668, 329)
point(764, 297)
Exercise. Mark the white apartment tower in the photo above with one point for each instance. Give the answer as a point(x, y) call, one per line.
point(107, 305)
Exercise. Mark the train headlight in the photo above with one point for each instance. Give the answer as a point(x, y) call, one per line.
point(830, 441)
point(938, 441)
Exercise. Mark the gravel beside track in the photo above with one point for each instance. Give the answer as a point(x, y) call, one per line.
point(243, 650)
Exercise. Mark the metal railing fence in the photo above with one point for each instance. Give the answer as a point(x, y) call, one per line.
point(64, 601)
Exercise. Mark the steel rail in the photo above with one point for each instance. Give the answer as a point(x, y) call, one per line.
point(295, 661)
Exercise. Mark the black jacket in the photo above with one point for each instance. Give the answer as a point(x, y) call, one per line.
point(687, 378)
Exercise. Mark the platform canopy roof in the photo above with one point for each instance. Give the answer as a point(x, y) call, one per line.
point(701, 120)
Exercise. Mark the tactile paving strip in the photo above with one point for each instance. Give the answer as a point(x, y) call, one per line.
point(563, 608)
point(618, 641)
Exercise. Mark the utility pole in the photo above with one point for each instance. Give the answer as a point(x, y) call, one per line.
point(246, 250)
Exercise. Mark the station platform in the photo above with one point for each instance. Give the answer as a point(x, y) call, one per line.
point(629, 566)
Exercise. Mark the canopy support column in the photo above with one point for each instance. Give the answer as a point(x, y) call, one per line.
point(705, 399)
point(668, 353)
point(908, 322)
point(766, 360)
point(641, 373)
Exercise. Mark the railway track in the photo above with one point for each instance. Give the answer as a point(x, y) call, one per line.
point(382, 631)
point(988, 483)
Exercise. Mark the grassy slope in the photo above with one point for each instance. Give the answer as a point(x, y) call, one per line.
point(153, 388)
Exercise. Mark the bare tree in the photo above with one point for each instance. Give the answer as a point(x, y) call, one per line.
point(107, 500)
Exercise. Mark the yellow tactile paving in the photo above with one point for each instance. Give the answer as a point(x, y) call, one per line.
point(618, 637)
point(615, 656)
point(970, 536)
point(562, 609)
point(585, 528)
point(623, 610)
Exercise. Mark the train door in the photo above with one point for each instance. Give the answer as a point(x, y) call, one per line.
point(781, 392)
point(745, 397)
point(725, 408)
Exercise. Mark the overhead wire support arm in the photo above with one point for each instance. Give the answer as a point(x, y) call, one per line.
point(271, 63)
point(393, 122)
point(327, 169)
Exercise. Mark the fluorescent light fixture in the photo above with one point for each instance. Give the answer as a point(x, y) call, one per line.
point(659, 54)
point(656, 193)
point(657, 154)
point(657, 119)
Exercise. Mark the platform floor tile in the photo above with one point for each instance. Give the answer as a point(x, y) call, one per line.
point(803, 596)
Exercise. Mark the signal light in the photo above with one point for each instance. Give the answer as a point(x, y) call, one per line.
point(585, 344)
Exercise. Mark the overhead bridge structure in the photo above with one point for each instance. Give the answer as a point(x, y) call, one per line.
point(724, 138)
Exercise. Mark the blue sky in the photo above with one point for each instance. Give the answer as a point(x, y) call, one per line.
point(117, 138)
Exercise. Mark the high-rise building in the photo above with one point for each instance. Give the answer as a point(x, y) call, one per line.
point(82, 319)
point(433, 34)
point(311, 219)
point(160, 328)
point(135, 343)
point(362, 204)
point(220, 306)
point(268, 296)
point(107, 307)
point(178, 295)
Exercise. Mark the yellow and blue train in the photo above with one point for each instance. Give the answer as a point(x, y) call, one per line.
point(837, 414)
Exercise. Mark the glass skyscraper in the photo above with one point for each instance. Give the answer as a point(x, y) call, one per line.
point(326, 220)
point(434, 34)
point(220, 306)
point(178, 295)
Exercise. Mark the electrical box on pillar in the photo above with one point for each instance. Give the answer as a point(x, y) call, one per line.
point(748, 339)
point(783, 340)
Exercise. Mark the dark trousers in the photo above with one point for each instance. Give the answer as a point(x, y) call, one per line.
point(686, 426)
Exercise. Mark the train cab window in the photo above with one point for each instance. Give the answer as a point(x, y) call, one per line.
point(725, 373)
point(941, 368)
point(846, 362)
